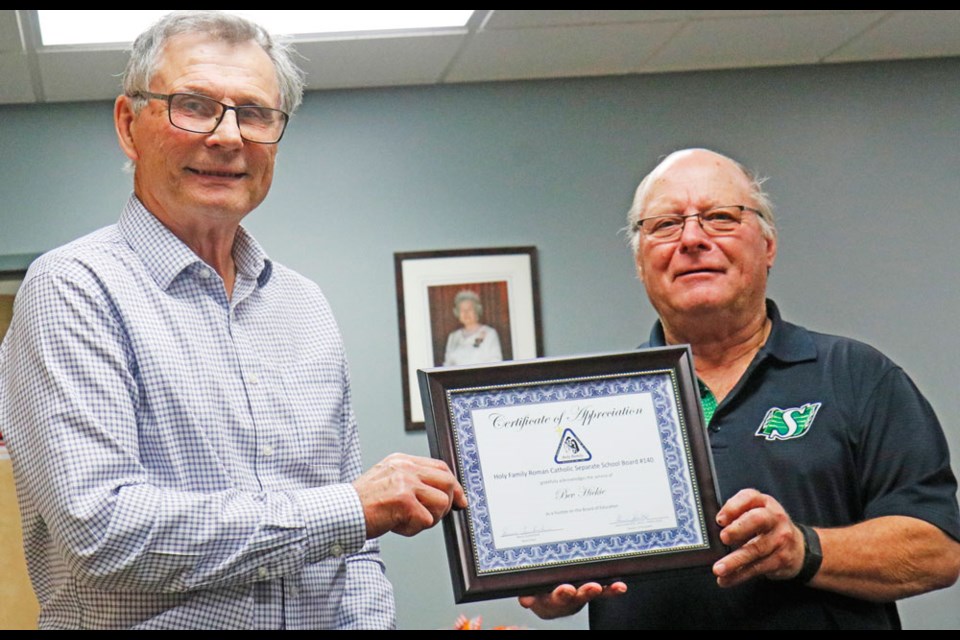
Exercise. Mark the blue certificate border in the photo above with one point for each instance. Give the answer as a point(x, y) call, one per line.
point(688, 534)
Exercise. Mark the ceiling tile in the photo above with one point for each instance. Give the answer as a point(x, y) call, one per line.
point(559, 51)
point(370, 62)
point(9, 32)
point(759, 41)
point(906, 34)
point(15, 86)
point(521, 18)
point(88, 75)
point(528, 44)
point(524, 18)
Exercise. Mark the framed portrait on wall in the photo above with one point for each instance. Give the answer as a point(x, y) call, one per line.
point(464, 307)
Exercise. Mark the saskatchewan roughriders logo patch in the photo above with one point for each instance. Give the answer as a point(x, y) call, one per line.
point(787, 424)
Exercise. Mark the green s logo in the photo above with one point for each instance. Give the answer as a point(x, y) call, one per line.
point(787, 424)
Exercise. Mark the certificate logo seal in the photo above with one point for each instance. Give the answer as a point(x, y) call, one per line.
point(571, 449)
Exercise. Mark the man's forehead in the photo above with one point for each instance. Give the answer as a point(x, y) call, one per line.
point(698, 164)
point(201, 57)
point(700, 176)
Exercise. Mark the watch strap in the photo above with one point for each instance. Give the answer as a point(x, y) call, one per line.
point(812, 554)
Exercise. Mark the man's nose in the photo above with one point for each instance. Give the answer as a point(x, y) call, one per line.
point(693, 231)
point(227, 132)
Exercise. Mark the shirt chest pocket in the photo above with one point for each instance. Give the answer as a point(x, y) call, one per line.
point(310, 405)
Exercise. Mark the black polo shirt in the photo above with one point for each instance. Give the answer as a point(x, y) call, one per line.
point(838, 434)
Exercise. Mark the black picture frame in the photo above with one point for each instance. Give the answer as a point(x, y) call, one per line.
point(453, 397)
point(507, 281)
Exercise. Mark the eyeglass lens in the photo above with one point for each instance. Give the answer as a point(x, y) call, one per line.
point(202, 115)
point(715, 222)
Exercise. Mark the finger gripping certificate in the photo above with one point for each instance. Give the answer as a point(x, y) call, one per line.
point(579, 471)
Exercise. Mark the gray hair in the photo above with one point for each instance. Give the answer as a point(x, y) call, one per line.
point(147, 51)
point(760, 199)
point(464, 295)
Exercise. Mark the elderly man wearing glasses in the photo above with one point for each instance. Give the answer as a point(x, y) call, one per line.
point(177, 404)
point(839, 494)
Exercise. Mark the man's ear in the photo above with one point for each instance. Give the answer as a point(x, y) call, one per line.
point(771, 251)
point(638, 265)
point(124, 120)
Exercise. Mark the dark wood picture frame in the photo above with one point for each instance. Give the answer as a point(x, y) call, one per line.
point(673, 369)
point(507, 281)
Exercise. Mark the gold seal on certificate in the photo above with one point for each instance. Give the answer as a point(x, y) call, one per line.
point(579, 469)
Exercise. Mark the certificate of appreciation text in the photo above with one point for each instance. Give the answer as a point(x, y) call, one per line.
point(576, 471)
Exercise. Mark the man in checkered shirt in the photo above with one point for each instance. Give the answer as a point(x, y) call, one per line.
point(178, 405)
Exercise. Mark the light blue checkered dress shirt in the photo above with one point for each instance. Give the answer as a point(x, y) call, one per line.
point(183, 460)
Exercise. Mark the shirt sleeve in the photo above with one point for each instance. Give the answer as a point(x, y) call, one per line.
point(905, 463)
point(451, 349)
point(495, 352)
point(368, 601)
point(72, 403)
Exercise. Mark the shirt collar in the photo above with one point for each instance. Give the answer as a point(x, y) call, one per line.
point(787, 342)
point(165, 256)
point(252, 261)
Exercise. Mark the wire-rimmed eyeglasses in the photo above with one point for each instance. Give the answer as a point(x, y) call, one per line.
point(719, 221)
point(200, 114)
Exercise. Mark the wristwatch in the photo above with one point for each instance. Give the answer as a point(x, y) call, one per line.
point(812, 555)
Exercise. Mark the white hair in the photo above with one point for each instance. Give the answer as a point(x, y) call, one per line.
point(464, 295)
point(147, 51)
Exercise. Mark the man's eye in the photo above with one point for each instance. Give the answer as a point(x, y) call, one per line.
point(197, 107)
point(256, 115)
point(720, 215)
point(666, 224)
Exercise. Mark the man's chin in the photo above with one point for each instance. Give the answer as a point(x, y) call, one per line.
point(222, 203)
point(700, 303)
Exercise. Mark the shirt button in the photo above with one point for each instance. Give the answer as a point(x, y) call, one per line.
point(204, 274)
point(253, 378)
point(336, 550)
point(262, 572)
point(267, 450)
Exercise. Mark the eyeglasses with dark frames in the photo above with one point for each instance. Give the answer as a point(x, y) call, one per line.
point(200, 114)
point(719, 221)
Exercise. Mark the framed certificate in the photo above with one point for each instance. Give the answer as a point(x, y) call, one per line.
point(590, 468)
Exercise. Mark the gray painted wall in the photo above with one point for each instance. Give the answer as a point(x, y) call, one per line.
point(865, 170)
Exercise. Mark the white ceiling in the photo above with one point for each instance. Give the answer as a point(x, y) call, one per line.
point(522, 44)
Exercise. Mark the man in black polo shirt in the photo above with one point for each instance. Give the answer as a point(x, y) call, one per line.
point(840, 495)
